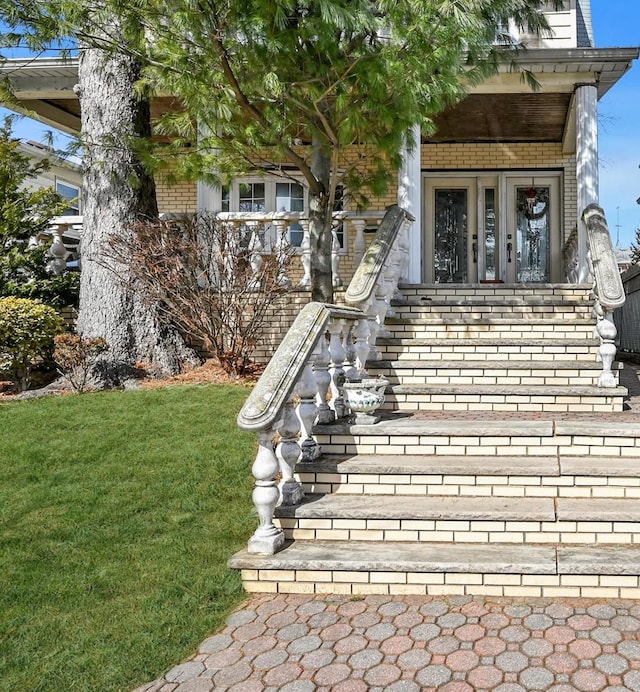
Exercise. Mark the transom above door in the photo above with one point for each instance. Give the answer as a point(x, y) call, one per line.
point(492, 227)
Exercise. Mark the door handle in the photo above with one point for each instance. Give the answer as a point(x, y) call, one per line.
point(509, 249)
point(475, 253)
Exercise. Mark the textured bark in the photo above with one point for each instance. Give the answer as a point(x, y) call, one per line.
point(117, 193)
point(320, 228)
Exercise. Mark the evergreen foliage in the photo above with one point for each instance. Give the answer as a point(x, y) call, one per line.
point(25, 214)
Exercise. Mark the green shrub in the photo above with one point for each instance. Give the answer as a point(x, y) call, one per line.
point(27, 328)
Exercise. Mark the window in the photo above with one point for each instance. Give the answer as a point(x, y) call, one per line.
point(264, 195)
point(72, 194)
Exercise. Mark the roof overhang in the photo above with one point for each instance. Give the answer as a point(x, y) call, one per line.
point(506, 109)
point(503, 108)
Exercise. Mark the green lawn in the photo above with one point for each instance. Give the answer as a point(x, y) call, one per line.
point(118, 512)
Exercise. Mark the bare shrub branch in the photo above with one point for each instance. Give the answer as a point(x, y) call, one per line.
point(198, 270)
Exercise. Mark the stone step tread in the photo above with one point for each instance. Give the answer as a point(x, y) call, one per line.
point(486, 341)
point(492, 300)
point(434, 465)
point(403, 557)
point(462, 558)
point(600, 466)
point(537, 321)
point(509, 390)
point(429, 507)
point(460, 465)
point(490, 364)
point(518, 287)
point(598, 509)
point(488, 424)
point(485, 426)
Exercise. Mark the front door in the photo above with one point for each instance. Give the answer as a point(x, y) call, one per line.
point(492, 227)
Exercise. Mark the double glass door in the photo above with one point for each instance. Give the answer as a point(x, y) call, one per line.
point(484, 228)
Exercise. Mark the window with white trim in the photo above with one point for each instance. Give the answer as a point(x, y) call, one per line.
point(261, 195)
point(71, 193)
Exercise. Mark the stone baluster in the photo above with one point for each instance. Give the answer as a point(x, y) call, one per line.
point(607, 332)
point(268, 538)
point(359, 243)
point(361, 347)
point(403, 248)
point(307, 412)
point(58, 253)
point(335, 259)
point(255, 254)
point(305, 259)
point(336, 366)
point(350, 371)
point(323, 382)
point(288, 452)
point(282, 245)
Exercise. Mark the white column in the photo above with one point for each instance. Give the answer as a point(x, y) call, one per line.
point(209, 198)
point(410, 198)
point(586, 100)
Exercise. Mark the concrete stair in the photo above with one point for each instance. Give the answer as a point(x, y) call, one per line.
point(499, 467)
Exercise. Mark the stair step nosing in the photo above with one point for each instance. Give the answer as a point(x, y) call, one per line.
point(405, 557)
point(433, 466)
point(421, 508)
point(448, 428)
point(490, 365)
point(453, 465)
point(510, 390)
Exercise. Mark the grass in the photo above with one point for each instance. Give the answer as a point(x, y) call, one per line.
point(118, 512)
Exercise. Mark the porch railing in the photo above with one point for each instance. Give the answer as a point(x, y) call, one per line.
point(302, 384)
point(607, 284)
point(271, 232)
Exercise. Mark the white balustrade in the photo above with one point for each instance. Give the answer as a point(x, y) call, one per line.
point(303, 384)
point(607, 284)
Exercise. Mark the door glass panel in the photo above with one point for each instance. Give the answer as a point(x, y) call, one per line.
point(533, 232)
point(490, 233)
point(450, 257)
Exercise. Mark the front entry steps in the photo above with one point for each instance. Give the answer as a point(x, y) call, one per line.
point(433, 569)
point(473, 504)
point(499, 467)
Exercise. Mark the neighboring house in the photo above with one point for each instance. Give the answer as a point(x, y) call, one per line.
point(65, 176)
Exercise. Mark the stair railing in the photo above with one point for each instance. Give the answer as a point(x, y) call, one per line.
point(378, 274)
point(607, 284)
point(302, 384)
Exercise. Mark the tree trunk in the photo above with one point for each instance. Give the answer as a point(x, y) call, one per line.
point(320, 227)
point(118, 192)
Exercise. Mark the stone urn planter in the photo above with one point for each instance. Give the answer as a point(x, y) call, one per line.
point(364, 397)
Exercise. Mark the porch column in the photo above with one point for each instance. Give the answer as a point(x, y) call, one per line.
point(410, 198)
point(209, 198)
point(586, 99)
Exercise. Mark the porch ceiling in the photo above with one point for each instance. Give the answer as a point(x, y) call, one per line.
point(501, 109)
point(531, 117)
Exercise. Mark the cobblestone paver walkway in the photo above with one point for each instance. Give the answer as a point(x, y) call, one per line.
point(296, 643)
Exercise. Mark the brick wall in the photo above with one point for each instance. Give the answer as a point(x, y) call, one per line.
point(509, 156)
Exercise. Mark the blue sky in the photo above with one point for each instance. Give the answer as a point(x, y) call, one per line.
point(616, 24)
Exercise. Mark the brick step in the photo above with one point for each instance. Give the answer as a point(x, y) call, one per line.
point(497, 291)
point(501, 434)
point(494, 397)
point(469, 519)
point(479, 348)
point(493, 372)
point(497, 327)
point(479, 308)
point(352, 567)
point(489, 476)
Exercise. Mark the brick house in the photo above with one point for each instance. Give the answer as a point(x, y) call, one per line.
point(504, 462)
